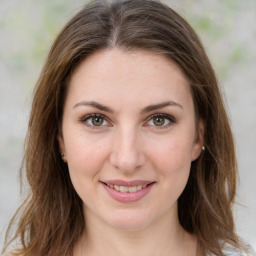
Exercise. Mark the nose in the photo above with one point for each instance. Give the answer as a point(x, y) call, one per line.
point(127, 151)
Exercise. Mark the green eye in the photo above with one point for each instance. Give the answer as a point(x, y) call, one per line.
point(97, 120)
point(159, 121)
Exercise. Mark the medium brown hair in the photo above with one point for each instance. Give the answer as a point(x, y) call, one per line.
point(51, 218)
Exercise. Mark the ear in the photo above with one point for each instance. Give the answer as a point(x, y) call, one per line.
point(199, 141)
point(62, 147)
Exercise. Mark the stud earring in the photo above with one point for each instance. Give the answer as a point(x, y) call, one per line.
point(62, 156)
point(203, 148)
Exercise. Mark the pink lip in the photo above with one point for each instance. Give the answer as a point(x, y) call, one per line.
point(128, 197)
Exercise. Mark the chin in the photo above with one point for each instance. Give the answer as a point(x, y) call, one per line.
point(129, 221)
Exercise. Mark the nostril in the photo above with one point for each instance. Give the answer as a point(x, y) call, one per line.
point(127, 161)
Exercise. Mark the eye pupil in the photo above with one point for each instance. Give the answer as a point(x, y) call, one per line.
point(97, 121)
point(158, 121)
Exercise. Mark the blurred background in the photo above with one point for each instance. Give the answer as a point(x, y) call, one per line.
point(228, 31)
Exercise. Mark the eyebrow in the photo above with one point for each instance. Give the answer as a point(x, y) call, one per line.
point(95, 105)
point(143, 111)
point(160, 105)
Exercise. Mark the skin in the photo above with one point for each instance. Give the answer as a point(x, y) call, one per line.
point(129, 144)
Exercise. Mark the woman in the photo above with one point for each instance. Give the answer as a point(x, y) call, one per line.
point(129, 148)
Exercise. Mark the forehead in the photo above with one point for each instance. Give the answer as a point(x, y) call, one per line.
point(130, 76)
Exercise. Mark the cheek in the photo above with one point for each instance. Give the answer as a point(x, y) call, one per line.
point(85, 156)
point(174, 163)
point(172, 159)
point(172, 154)
point(85, 161)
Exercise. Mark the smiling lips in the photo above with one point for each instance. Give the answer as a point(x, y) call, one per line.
point(125, 192)
point(125, 189)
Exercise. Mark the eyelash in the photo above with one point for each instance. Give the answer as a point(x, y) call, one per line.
point(88, 117)
point(170, 119)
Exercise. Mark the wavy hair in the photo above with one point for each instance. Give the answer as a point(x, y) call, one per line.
point(51, 217)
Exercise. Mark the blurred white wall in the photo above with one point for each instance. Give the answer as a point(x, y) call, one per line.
point(228, 31)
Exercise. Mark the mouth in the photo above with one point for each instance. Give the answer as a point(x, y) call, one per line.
point(127, 189)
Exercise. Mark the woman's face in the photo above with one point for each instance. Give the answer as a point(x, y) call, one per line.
point(129, 136)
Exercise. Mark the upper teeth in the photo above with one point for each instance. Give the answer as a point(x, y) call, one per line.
point(127, 189)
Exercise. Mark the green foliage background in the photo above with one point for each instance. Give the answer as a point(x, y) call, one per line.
point(28, 27)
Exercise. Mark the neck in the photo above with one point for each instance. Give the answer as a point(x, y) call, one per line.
point(164, 237)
